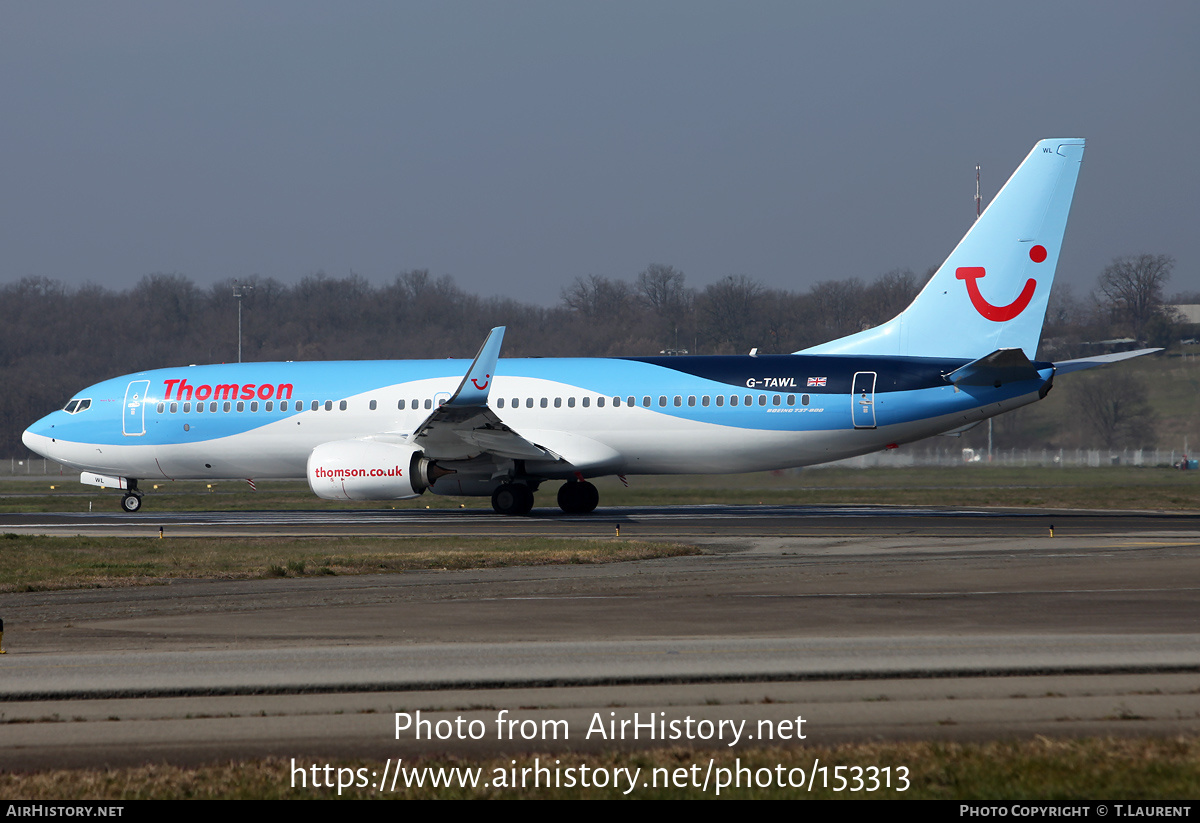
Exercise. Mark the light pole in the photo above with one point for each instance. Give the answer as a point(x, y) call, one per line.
point(239, 291)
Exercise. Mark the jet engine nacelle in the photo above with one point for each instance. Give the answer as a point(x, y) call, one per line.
point(368, 470)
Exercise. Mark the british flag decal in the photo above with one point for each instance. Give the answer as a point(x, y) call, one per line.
point(816, 381)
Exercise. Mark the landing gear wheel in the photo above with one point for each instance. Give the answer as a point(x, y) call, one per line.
point(512, 498)
point(578, 497)
point(131, 502)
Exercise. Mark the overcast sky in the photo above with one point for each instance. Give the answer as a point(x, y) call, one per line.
point(518, 145)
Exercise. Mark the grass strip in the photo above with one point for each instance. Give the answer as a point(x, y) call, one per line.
point(1038, 769)
point(1107, 487)
point(34, 563)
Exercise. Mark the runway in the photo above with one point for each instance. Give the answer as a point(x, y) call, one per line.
point(679, 522)
point(814, 611)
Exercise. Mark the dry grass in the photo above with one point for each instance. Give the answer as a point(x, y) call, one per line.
point(1043, 769)
point(30, 563)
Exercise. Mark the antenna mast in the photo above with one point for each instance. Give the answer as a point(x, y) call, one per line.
point(978, 199)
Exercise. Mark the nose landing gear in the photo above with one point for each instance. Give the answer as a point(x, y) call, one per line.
point(132, 501)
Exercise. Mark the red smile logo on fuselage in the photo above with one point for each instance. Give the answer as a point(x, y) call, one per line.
point(999, 314)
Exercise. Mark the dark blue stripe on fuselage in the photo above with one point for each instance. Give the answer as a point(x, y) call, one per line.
point(791, 372)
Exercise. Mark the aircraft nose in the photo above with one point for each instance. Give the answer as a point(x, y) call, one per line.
point(37, 437)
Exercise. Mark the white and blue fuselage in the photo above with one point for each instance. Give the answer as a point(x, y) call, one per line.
point(960, 353)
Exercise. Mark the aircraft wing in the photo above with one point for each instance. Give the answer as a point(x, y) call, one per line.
point(464, 425)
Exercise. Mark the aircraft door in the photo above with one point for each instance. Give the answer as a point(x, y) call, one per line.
point(862, 400)
point(133, 416)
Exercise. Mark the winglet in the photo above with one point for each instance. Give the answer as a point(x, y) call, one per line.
point(473, 390)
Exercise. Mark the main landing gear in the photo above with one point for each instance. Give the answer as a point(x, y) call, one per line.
point(574, 497)
point(578, 497)
point(132, 501)
point(512, 498)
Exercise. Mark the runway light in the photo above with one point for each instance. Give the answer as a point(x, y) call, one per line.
point(1052, 530)
point(618, 531)
point(2, 638)
point(160, 532)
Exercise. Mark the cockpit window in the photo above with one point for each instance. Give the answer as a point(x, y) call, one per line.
point(76, 406)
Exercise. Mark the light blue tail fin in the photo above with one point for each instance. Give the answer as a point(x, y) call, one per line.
point(991, 292)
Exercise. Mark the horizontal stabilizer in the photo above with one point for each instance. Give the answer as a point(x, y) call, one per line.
point(1068, 366)
point(1000, 367)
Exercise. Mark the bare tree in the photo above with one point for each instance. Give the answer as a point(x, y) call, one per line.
point(661, 288)
point(1113, 406)
point(598, 297)
point(1133, 289)
point(732, 306)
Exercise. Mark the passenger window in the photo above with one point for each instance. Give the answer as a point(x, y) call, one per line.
point(187, 408)
point(631, 401)
point(749, 400)
point(704, 400)
point(691, 399)
point(544, 403)
point(342, 406)
point(558, 402)
point(646, 401)
point(328, 405)
point(499, 402)
point(212, 407)
point(428, 403)
point(271, 405)
point(587, 401)
point(662, 400)
point(174, 408)
point(616, 402)
point(400, 405)
point(253, 405)
point(720, 400)
point(529, 402)
point(733, 399)
point(570, 402)
point(775, 400)
point(162, 407)
point(241, 407)
point(374, 405)
point(599, 402)
point(804, 400)
point(679, 400)
point(791, 399)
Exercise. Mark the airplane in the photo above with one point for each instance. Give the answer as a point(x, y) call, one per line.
point(388, 430)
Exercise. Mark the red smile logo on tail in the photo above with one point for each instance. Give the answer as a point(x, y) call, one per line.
point(486, 380)
point(999, 313)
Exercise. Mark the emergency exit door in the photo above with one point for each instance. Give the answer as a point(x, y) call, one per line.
point(133, 416)
point(862, 400)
